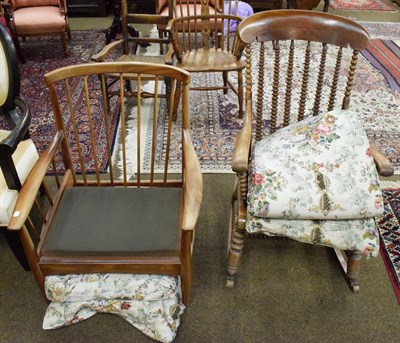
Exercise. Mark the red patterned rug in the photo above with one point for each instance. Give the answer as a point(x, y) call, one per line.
point(389, 230)
point(385, 56)
point(359, 5)
point(44, 54)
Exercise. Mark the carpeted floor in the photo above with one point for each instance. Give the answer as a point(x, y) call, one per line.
point(385, 56)
point(389, 229)
point(215, 122)
point(357, 5)
point(285, 292)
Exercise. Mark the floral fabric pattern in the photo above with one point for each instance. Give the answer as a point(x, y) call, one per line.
point(305, 171)
point(151, 303)
point(358, 234)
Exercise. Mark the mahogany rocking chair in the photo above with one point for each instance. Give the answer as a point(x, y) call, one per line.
point(304, 169)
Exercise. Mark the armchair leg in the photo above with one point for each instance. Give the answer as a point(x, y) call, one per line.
point(32, 258)
point(161, 35)
point(177, 98)
point(225, 79)
point(64, 43)
point(186, 280)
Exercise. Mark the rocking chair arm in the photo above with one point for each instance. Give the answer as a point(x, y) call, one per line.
point(193, 184)
point(103, 53)
point(30, 188)
point(240, 158)
point(383, 165)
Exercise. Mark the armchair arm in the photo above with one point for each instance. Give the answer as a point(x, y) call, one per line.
point(383, 165)
point(169, 54)
point(20, 131)
point(103, 53)
point(193, 184)
point(241, 152)
point(32, 185)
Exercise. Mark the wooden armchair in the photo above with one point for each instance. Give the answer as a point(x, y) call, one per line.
point(112, 217)
point(309, 175)
point(183, 8)
point(126, 50)
point(17, 152)
point(39, 18)
point(201, 46)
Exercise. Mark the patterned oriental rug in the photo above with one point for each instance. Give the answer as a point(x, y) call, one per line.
point(215, 123)
point(385, 56)
point(214, 115)
point(44, 54)
point(358, 5)
point(389, 230)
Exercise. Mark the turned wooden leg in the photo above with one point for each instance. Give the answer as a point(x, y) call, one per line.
point(236, 239)
point(234, 255)
point(351, 264)
point(353, 269)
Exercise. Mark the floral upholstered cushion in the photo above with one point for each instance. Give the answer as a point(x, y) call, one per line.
point(357, 234)
point(320, 168)
point(151, 303)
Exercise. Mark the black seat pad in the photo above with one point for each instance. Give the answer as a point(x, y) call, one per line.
point(115, 220)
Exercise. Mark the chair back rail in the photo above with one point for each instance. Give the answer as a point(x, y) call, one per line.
point(203, 31)
point(312, 70)
point(82, 157)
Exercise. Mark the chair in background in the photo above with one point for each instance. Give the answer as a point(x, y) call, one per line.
point(201, 46)
point(121, 219)
point(17, 152)
point(312, 177)
point(184, 8)
point(125, 50)
point(5, 20)
point(40, 18)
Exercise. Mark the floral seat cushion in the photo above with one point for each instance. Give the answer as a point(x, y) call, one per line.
point(151, 303)
point(319, 169)
point(316, 182)
point(357, 234)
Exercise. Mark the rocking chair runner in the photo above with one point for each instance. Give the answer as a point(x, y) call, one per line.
point(138, 221)
point(287, 182)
